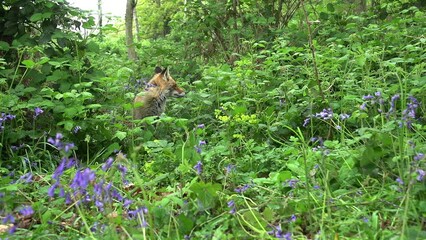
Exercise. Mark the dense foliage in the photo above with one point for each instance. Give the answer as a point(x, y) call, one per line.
point(300, 121)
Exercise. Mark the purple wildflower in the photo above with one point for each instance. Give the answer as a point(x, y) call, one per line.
point(82, 179)
point(8, 219)
point(231, 205)
point(292, 183)
point(59, 170)
point(68, 199)
point(293, 218)
point(61, 192)
point(399, 180)
point(243, 188)
point(199, 167)
point(201, 143)
point(365, 219)
point(68, 146)
point(378, 94)
point(122, 169)
point(127, 203)
point(229, 169)
point(344, 116)
point(409, 114)
point(139, 212)
point(97, 188)
point(278, 233)
point(71, 162)
point(107, 165)
point(363, 106)
point(201, 125)
point(12, 230)
point(27, 211)
point(421, 174)
point(37, 111)
point(100, 205)
point(57, 141)
point(325, 114)
point(28, 177)
point(393, 100)
point(116, 195)
point(51, 191)
point(367, 97)
point(306, 121)
point(418, 157)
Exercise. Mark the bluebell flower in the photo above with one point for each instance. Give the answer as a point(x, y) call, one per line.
point(306, 122)
point(37, 111)
point(229, 169)
point(418, 156)
point(325, 114)
point(292, 183)
point(242, 189)
point(367, 97)
point(344, 116)
point(28, 177)
point(51, 191)
point(231, 205)
point(8, 219)
point(26, 211)
point(82, 179)
point(107, 165)
point(199, 167)
point(399, 180)
point(420, 175)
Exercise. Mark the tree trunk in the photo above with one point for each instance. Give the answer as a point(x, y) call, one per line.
point(236, 36)
point(278, 14)
point(138, 33)
point(131, 52)
point(100, 18)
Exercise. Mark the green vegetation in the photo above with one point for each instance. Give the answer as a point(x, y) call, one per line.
point(301, 120)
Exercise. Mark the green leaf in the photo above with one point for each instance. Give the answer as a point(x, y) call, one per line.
point(120, 135)
point(206, 194)
point(4, 46)
point(68, 125)
point(330, 7)
point(28, 63)
point(185, 224)
point(36, 17)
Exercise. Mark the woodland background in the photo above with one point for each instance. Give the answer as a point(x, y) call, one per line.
point(302, 120)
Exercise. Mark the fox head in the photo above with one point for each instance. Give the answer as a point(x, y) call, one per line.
point(164, 81)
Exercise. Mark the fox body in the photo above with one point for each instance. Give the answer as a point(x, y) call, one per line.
point(152, 102)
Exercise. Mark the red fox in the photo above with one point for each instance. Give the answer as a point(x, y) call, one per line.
point(152, 102)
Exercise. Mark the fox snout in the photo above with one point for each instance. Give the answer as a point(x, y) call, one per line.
point(178, 93)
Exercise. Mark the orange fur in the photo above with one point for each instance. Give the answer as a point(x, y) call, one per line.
point(152, 102)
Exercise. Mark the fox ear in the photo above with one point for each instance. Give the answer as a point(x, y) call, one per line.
point(165, 73)
point(158, 69)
